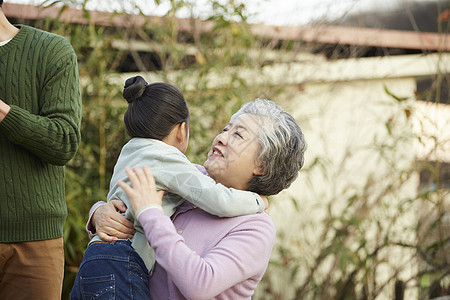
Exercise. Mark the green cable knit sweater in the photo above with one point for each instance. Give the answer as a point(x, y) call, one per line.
point(40, 134)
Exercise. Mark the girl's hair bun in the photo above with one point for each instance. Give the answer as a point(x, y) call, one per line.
point(134, 88)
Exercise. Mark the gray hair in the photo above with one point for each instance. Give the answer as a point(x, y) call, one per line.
point(281, 147)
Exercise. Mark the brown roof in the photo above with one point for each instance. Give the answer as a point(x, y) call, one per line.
point(359, 36)
point(315, 34)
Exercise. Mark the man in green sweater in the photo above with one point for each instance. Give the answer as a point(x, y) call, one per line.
point(40, 115)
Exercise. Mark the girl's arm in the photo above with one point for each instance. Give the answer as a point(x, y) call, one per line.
point(176, 174)
point(181, 177)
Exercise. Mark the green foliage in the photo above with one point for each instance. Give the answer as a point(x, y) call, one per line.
point(100, 63)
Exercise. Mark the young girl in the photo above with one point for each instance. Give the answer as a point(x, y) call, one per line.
point(157, 119)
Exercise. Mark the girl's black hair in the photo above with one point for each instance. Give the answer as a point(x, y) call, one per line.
point(153, 109)
point(1, 3)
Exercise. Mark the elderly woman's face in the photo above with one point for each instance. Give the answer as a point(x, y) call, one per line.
point(232, 158)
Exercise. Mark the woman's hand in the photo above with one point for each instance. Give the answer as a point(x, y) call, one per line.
point(143, 189)
point(111, 225)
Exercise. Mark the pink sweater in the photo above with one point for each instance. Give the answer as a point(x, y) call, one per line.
point(201, 256)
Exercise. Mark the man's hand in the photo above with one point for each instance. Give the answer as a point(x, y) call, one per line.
point(4, 110)
point(111, 225)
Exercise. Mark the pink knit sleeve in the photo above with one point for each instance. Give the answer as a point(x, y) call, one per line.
point(243, 253)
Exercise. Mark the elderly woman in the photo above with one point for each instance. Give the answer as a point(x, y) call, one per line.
point(202, 256)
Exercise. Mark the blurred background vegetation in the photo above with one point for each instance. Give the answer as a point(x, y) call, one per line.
point(351, 241)
point(100, 63)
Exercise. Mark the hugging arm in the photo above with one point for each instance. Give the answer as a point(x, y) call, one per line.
point(177, 175)
point(106, 220)
point(185, 180)
point(240, 255)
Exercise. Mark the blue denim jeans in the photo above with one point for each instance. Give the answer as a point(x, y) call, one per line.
point(111, 271)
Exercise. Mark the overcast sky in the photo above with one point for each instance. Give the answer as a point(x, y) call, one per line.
point(273, 12)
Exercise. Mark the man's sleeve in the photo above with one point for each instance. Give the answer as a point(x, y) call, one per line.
point(53, 134)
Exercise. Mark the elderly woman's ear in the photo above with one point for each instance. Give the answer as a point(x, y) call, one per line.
point(258, 171)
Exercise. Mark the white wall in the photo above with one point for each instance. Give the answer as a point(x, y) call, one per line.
point(344, 110)
point(341, 121)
